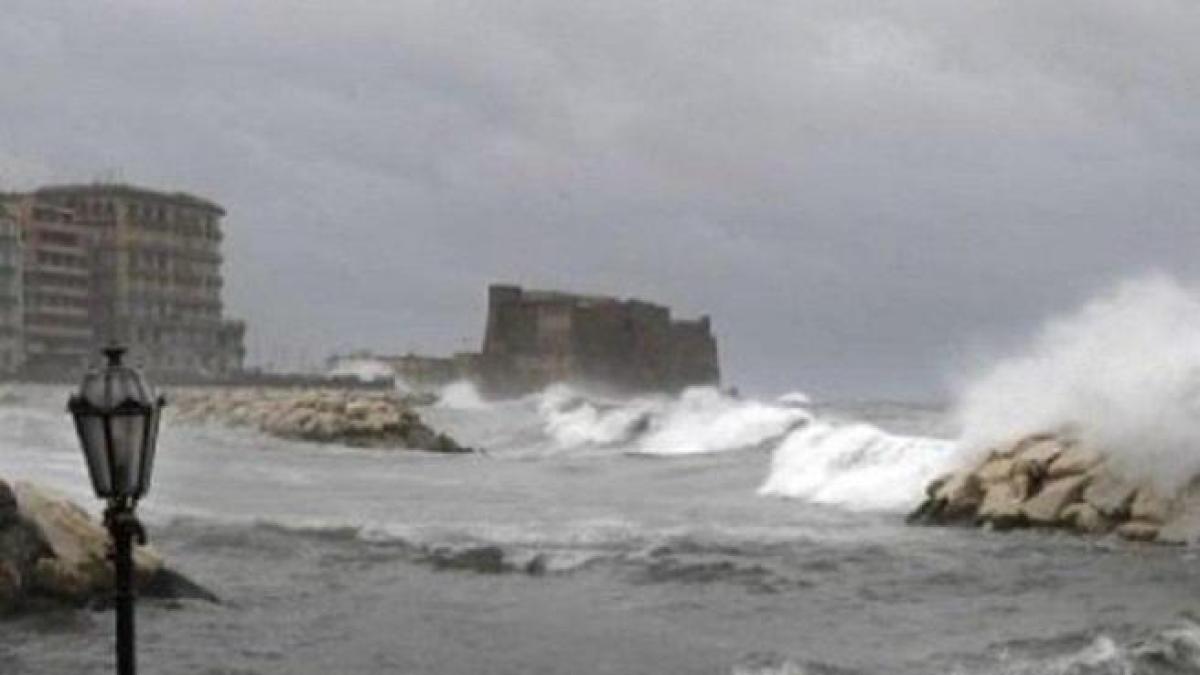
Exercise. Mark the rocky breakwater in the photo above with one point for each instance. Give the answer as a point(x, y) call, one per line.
point(1054, 481)
point(354, 418)
point(52, 553)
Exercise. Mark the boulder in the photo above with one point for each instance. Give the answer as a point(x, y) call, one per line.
point(1044, 507)
point(1085, 518)
point(1001, 506)
point(961, 492)
point(52, 551)
point(1034, 459)
point(1110, 495)
point(995, 469)
point(1149, 505)
point(1183, 524)
point(358, 410)
point(79, 547)
point(1139, 530)
point(1076, 459)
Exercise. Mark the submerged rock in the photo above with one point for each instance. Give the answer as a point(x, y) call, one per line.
point(51, 550)
point(353, 418)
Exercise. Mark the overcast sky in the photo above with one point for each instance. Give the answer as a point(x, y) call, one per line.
point(866, 196)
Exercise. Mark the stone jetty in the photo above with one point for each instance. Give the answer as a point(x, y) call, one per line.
point(1055, 481)
point(363, 419)
point(52, 553)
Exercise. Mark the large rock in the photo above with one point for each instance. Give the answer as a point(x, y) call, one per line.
point(1076, 459)
point(1084, 518)
point(78, 566)
point(1183, 524)
point(1139, 530)
point(1034, 458)
point(51, 552)
point(1150, 505)
point(1001, 506)
point(1111, 495)
point(1045, 507)
point(995, 469)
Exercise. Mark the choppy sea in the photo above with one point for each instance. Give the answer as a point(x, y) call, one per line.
point(694, 534)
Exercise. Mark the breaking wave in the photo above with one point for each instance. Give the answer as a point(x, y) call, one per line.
point(566, 420)
point(1172, 649)
point(856, 466)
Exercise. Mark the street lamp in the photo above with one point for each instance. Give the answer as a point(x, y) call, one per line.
point(116, 414)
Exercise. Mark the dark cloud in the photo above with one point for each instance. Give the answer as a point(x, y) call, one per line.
point(861, 194)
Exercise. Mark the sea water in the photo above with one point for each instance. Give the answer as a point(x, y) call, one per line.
point(697, 533)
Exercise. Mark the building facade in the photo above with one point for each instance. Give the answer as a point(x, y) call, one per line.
point(156, 276)
point(85, 265)
point(56, 277)
point(12, 329)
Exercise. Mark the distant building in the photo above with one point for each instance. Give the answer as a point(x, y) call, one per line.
point(96, 263)
point(156, 276)
point(12, 353)
point(56, 272)
point(536, 338)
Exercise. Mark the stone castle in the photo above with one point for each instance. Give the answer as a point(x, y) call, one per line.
point(537, 338)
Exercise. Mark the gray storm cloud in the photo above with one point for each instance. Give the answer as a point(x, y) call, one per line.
point(863, 195)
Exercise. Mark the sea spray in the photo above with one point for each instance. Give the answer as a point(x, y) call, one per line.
point(1122, 374)
point(856, 466)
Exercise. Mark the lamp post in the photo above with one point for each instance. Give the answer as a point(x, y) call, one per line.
point(116, 414)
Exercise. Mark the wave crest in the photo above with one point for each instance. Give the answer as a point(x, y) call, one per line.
point(856, 466)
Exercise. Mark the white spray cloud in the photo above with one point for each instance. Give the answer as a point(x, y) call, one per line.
point(1123, 373)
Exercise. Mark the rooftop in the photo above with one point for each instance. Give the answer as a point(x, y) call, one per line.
point(130, 191)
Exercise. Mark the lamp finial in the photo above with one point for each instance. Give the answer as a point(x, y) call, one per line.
point(113, 353)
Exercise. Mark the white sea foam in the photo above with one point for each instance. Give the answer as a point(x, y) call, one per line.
point(703, 420)
point(856, 466)
point(1123, 372)
point(572, 420)
point(462, 395)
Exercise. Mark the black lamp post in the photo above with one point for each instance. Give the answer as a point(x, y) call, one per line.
point(116, 415)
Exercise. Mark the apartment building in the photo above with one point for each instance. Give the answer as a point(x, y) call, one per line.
point(156, 276)
point(11, 301)
point(56, 265)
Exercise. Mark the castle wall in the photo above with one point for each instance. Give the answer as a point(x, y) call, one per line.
point(537, 338)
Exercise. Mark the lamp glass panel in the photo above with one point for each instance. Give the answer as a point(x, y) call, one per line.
point(90, 428)
point(151, 444)
point(128, 437)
